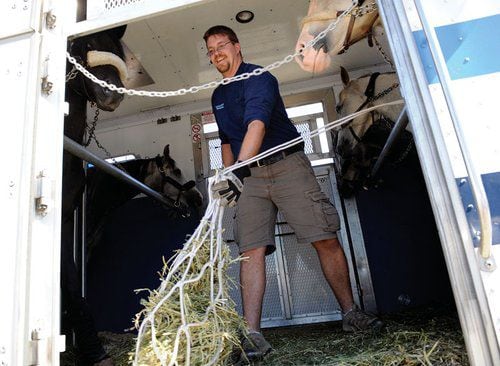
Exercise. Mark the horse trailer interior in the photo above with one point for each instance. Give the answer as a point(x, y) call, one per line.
point(414, 240)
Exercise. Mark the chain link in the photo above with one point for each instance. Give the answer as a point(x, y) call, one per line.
point(214, 84)
point(382, 52)
point(72, 74)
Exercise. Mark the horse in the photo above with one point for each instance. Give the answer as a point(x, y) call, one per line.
point(105, 193)
point(363, 21)
point(103, 55)
point(359, 142)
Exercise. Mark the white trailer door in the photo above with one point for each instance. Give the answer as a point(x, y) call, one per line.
point(447, 54)
point(32, 47)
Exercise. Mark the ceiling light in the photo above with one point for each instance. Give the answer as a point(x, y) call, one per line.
point(244, 16)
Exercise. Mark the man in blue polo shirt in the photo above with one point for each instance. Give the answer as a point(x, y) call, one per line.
point(252, 118)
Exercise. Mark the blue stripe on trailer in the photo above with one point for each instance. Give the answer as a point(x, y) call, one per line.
point(470, 48)
point(492, 187)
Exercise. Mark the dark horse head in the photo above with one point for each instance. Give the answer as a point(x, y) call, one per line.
point(359, 143)
point(105, 193)
point(101, 54)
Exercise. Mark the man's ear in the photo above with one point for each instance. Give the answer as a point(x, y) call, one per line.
point(238, 47)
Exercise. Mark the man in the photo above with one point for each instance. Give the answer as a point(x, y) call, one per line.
point(251, 117)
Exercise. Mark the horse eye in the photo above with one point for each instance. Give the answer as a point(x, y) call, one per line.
point(338, 108)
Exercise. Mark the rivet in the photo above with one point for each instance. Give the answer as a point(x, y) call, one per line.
point(470, 207)
point(463, 181)
point(466, 59)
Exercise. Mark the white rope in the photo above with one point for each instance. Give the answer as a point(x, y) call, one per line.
point(212, 219)
point(212, 84)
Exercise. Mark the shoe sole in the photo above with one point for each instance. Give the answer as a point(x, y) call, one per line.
point(375, 327)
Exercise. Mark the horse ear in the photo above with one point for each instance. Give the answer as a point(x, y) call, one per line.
point(166, 150)
point(344, 75)
point(118, 32)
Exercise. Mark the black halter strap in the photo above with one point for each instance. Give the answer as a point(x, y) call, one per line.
point(369, 94)
point(166, 179)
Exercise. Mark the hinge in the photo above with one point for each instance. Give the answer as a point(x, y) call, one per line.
point(50, 19)
point(46, 85)
point(43, 194)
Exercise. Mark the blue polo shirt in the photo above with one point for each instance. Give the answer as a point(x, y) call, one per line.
point(237, 104)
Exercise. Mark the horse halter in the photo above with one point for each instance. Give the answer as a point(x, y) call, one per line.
point(166, 179)
point(357, 12)
point(370, 97)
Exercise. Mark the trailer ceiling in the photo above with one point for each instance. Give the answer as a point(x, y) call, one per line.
point(171, 49)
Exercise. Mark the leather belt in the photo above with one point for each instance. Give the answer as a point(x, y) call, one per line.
point(277, 156)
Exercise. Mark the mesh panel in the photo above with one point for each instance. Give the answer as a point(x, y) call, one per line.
point(111, 4)
point(214, 148)
point(305, 131)
point(310, 293)
point(271, 307)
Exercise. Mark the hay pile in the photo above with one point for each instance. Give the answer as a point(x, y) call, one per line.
point(190, 319)
point(417, 337)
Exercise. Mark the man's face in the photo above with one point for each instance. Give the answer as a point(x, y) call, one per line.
point(223, 54)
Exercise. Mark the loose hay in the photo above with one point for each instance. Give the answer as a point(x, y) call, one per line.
point(417, 337)
point(411, 338)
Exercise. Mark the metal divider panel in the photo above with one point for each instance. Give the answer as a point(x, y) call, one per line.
point(272, 307)
point(310, 294)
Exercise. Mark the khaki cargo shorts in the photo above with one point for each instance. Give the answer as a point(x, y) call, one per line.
point(289, 186)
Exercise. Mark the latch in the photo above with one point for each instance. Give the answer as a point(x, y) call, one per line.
point(42, 198)
point(39, 343)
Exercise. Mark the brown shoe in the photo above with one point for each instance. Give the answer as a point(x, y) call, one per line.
point(357, 320)
point(255, 346)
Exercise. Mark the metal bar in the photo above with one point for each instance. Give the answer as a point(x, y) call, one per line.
point(399, 127)
point(477, 187)
point(76, 149)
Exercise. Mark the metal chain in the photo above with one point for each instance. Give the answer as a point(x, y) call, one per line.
point(364, 9)
point(383, 93)
point(212, 84)
point(91, 129)
point(92, 136)
point(382, 52)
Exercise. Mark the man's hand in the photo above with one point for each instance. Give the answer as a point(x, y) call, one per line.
point(229, 190)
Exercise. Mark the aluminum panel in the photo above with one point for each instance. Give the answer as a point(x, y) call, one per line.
point(310, 293)
point(15, 17)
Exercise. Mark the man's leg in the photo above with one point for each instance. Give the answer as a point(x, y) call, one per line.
point(334, 267)
point(336, 271)
point(253, 285)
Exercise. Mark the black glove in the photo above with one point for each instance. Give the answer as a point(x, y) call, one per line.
point(229, 190)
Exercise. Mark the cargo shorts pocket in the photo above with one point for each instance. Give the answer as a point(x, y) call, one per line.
point(324, 212)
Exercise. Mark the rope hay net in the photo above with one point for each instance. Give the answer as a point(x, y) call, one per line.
point(190, 319)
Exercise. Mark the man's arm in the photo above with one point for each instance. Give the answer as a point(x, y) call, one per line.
point(227, 155)
point(253, 140)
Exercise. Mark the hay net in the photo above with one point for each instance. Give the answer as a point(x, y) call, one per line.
point(190, 319)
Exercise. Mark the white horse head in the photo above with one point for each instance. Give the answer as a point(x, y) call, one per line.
point(359, 142)
point(351, 29)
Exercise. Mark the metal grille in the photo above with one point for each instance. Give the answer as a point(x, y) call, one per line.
point(215, 153)
point(305, 131)
point(112, 4)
